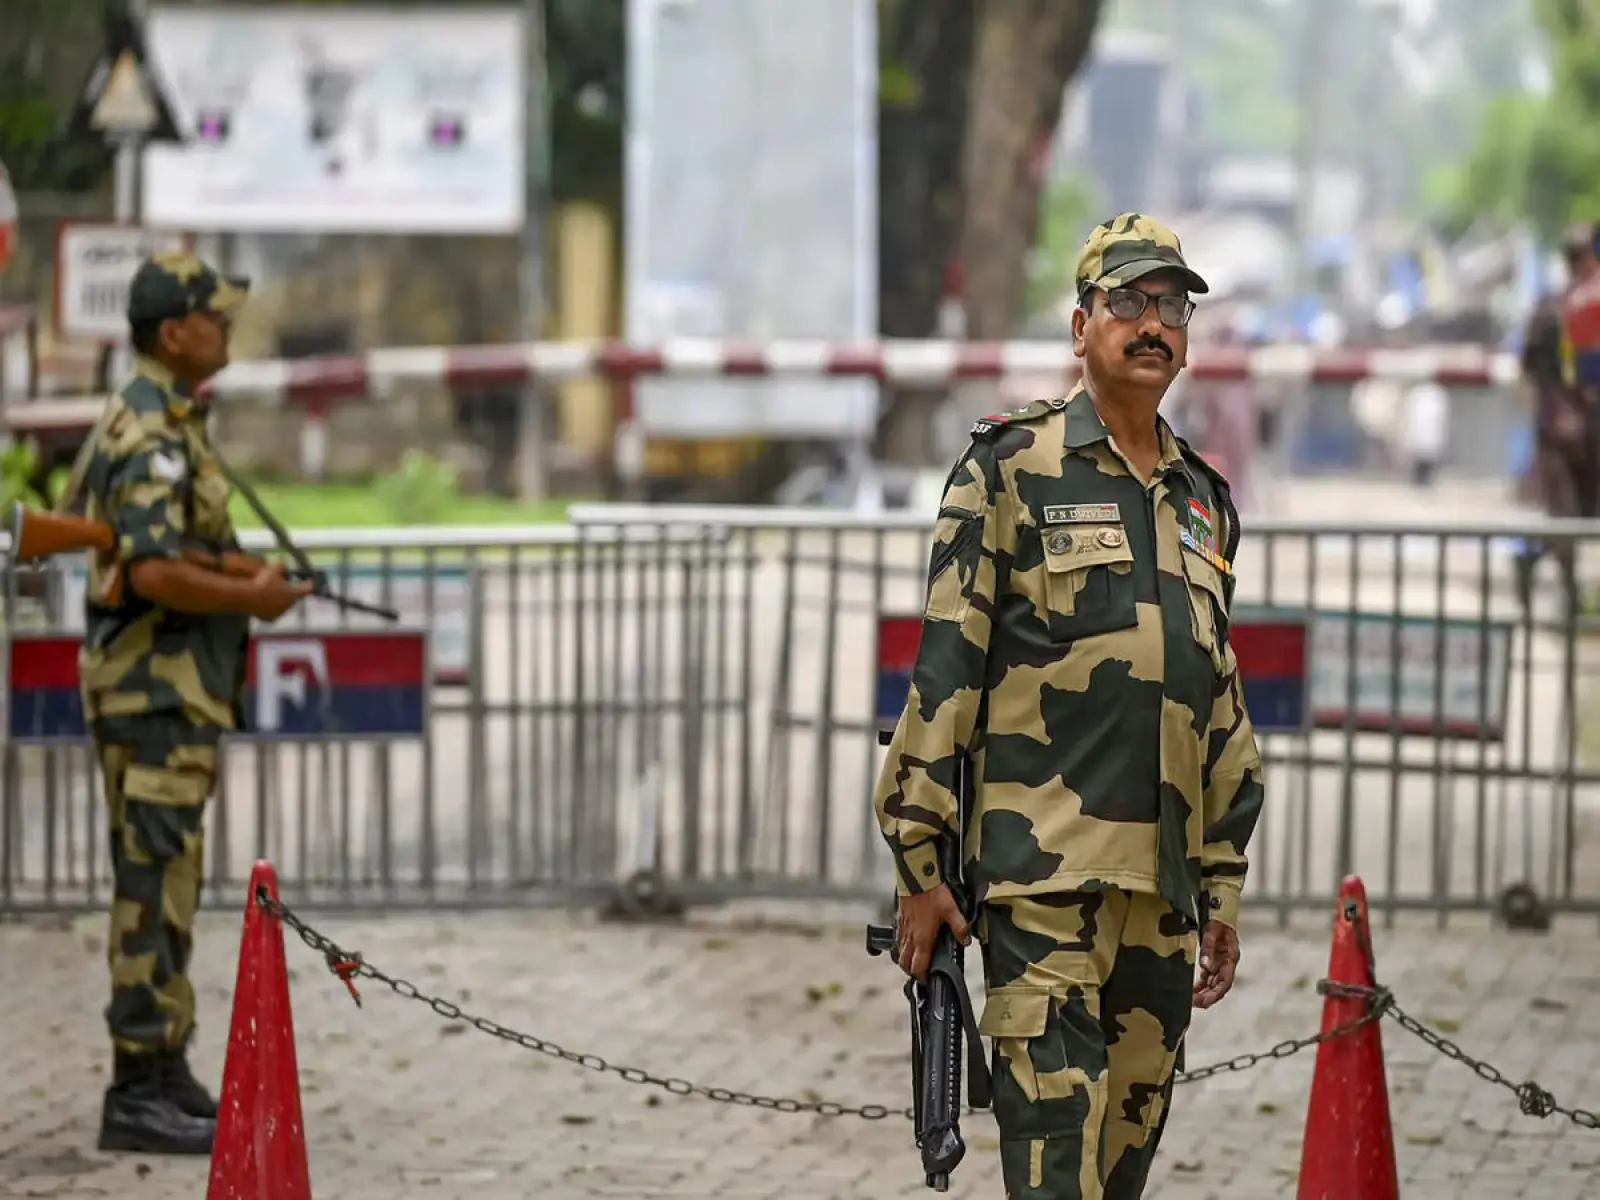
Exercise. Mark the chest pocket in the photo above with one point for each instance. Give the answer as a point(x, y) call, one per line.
point(209, 495)
point(1208, 606)
point(1089, 583)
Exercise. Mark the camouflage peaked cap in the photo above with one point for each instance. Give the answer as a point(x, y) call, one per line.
point(1130, 247)
point(175, 285)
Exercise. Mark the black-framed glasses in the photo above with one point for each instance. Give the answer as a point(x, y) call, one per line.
point(1128, 304)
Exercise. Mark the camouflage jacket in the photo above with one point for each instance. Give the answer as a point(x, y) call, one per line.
point(1075, 645)
point(154, 478)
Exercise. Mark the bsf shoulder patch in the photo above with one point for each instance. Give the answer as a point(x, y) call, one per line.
point(989, 427)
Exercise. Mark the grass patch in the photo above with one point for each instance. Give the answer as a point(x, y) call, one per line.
point(362, 506)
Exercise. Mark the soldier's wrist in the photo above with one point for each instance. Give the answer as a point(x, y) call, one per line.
point(917, 868)
point(1220, 903)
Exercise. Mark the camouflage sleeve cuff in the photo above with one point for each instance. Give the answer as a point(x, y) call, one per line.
point(916, 868)
point(1222, 901)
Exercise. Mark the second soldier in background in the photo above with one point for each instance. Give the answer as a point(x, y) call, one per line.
point(1075, 646)
point(162, 673)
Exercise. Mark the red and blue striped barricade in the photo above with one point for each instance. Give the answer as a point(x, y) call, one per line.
point(349, 684)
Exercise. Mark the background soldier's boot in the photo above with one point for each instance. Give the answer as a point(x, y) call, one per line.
point(139, 1118)
point(179, 1085)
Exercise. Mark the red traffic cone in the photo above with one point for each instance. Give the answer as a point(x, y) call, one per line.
point(260, 1148)
point(1349, 1144)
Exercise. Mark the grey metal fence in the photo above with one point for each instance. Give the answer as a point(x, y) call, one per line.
point(689, 694)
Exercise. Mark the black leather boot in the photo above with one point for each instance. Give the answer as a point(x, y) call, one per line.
point(139, 1117)
point(179, 1085)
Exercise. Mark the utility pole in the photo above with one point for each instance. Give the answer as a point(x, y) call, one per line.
point(534, 416)
point(124, 103)
point(1320, 18)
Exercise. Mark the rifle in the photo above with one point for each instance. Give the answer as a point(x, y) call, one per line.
point(941, 1013)
point(36, 534)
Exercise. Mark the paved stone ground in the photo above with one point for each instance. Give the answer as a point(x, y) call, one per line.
point(401, 1105)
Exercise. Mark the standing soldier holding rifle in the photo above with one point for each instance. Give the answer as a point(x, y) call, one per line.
point(1075, 665)
point(163, 674)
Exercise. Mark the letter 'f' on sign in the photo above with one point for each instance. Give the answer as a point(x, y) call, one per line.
point(277, 680)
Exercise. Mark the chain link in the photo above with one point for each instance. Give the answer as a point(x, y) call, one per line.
point(1533, 1099)
point(1379, 1002)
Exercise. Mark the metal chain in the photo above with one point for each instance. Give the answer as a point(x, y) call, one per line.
point(348, 966)
point(1533, 1099)
point(1379, 1001)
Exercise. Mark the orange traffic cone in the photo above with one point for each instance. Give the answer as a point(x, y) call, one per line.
point(260, 1147)
point(1349, 1144)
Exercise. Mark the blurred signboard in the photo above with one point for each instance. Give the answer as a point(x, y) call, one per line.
point(344, 686)
point(347, 119)
point(752, 208)
point(1420, 676)
point(899, 636)
point(94, 265)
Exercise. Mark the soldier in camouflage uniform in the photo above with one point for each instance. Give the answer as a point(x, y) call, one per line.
point(162, 673)
point(1075, 651)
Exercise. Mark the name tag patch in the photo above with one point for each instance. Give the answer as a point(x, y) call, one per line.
point(1081, 514)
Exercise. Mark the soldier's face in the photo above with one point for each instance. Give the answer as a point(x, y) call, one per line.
point(198, 344)
point(1123, 346)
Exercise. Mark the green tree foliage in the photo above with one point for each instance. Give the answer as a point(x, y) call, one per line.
point(1537, 157)
point(46, 49)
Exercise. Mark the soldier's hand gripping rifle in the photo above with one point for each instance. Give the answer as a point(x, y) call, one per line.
point(941, 1017)
point(36, 534)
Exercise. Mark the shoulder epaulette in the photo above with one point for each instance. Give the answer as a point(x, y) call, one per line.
point(143, 396)
point(1199, 460)
point(988, 428)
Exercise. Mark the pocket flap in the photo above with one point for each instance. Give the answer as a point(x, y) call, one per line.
point(1015, 1012)
point(1080, 546)
point(1202, 574)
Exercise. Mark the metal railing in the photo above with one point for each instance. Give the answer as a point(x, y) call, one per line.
point(687, 695)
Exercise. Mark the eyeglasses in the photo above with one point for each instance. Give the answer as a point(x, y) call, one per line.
point(1128, 304)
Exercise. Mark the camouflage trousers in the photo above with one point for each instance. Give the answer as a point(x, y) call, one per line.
point(1089, 999)
point(159, 771)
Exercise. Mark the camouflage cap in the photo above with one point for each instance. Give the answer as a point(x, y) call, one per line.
point(175, 285)
point(1130, 247)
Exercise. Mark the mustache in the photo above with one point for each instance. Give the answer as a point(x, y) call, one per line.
point(1147, 343)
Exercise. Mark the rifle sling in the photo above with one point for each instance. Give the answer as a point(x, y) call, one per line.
point(80, 464)
point(980, 1090)
point(274, 526)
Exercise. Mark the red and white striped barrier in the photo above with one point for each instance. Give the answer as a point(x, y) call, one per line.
point(315, 383)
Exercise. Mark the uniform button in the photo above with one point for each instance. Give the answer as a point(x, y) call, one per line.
point(1059, 543)
point(927, 868)
point(1216, 901)
point(1058, 403)
point(1110, 538)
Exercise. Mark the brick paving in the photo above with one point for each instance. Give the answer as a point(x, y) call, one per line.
point(401, 1105)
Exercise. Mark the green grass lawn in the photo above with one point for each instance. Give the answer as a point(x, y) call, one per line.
point(355, 506)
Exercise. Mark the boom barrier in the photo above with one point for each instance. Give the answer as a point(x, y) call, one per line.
point(686, 699)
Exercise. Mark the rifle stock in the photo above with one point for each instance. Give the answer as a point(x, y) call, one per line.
point(36, 534)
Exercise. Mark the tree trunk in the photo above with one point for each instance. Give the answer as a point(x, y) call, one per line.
point(921, 134)
point(1027, 53)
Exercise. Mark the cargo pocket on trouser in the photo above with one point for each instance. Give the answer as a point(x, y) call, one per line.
point(1049, 1089)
